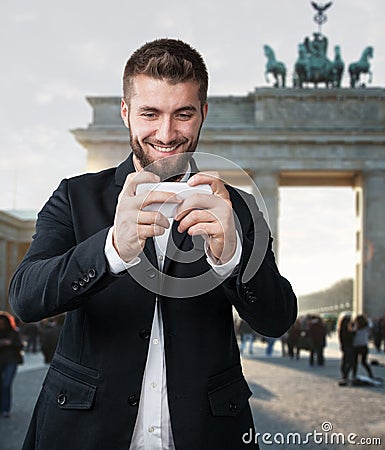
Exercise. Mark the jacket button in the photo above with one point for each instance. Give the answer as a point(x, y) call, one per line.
point(233, 407)
point(246, 289)
point(145, 334)
point(61, 399)
point(75, 286)
point(81, 282)
point(86, 277)
point(133, 400)
point(92, 273)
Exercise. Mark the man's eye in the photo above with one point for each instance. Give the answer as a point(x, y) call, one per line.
point(184, 116)
point(148, 115)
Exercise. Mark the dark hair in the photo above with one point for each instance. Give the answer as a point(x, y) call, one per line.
point(167, 59)
point(7, 325)
point(8, 319)
point(361, 322)
point(343, 321)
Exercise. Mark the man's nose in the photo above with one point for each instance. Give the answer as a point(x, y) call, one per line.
point(166, 132)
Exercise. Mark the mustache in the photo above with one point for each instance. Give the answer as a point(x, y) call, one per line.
point(169, 144)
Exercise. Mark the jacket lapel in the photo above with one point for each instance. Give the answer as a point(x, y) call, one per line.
point(126, 167)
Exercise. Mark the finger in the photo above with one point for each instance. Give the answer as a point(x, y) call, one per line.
point(148, 198)
point(205, 229)
point(213, 179)
point(194, 217)
point(199, 202)
point(152, 218)
point(195, 201)
point(147, 231)
point(135, 178)
point(204, 177)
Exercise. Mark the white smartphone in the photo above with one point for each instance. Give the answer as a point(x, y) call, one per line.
point(182, 189)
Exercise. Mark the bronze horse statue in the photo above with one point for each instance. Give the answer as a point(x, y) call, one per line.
point(277, 68)
point(361, 66)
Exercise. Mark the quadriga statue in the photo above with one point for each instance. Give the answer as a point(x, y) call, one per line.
point(313, 66)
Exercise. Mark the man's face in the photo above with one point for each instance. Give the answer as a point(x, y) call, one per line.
point(164, 120)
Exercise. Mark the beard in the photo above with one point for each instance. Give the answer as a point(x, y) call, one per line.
point(168, 168)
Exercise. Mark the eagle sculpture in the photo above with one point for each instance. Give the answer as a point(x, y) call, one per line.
point(321, 8)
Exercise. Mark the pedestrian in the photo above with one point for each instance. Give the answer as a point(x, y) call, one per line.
point(270, 341)
point(382, 328)
point(31, 333)
point(247, 335)
point(10, 356)
point(293, 336)
point(49, 336)
point(284, 345)
point(147, 357)
point(376, 334)
point(317, 337)
point(345, 336)
point(360, 344)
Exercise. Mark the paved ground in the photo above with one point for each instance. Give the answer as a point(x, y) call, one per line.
point(25, 390)
point(289, 397)
point(292, 397)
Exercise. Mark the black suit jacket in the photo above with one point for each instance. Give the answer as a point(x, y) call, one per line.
point(90, 395)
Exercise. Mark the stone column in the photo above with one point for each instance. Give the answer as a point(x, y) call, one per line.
point(373, 243)
point(268, 184)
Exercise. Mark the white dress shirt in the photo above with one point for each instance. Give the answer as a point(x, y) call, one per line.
point(153, 426)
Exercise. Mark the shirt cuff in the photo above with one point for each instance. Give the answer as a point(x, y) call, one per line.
point(225, 269)
point(115, 262)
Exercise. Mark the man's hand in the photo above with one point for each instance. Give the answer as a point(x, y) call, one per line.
point(210, 216)
point(132, 225)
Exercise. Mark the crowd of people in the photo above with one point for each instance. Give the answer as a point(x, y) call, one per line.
point(42, 336)
point(309, 333)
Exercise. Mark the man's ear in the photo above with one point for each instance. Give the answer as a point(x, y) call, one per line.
point(124, 112)
point(205, 110)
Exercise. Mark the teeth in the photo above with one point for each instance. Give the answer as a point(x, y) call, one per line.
point(165, 149)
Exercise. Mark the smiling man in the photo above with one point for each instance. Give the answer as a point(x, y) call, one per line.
point(148, 359)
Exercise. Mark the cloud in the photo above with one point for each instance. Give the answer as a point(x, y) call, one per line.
point(93, 54)
point(56, 89)
point(25, 17)
point(39, 158)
